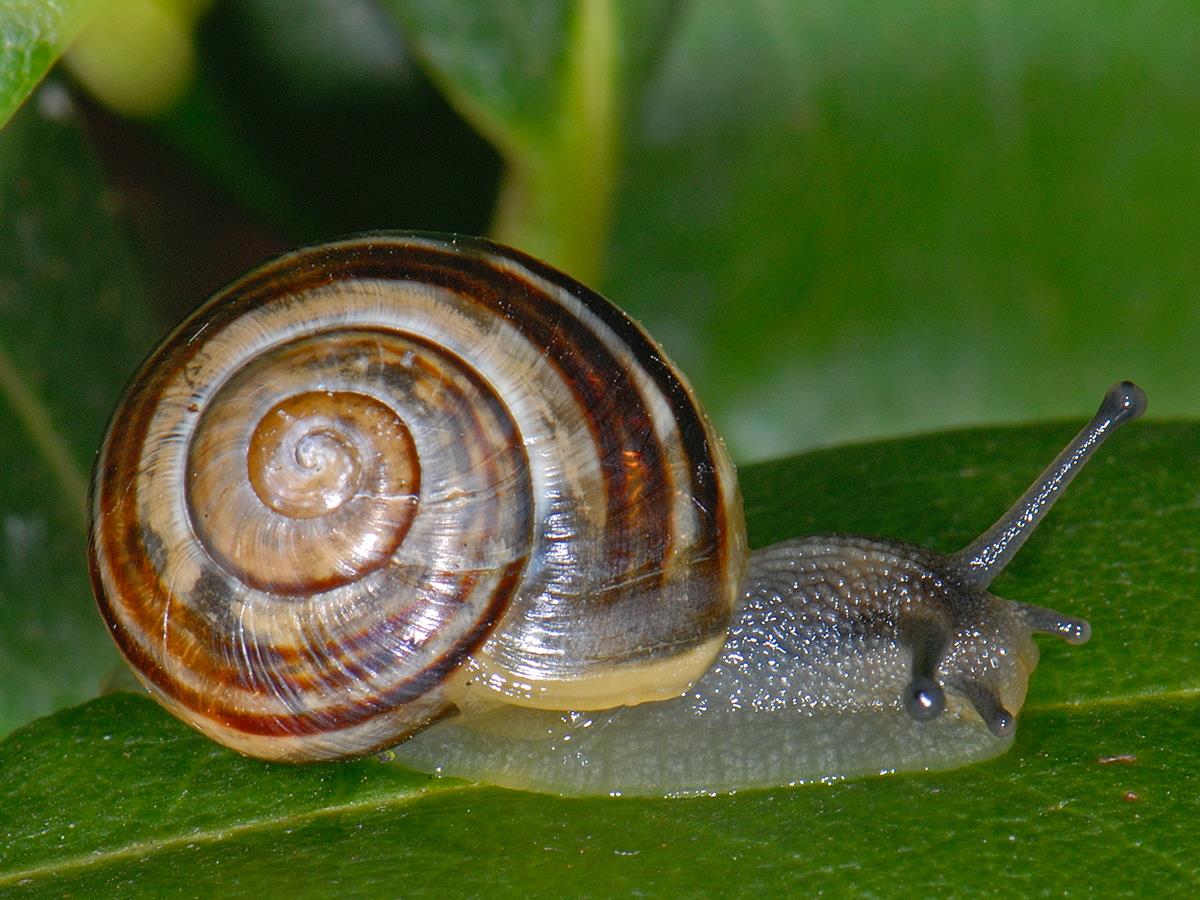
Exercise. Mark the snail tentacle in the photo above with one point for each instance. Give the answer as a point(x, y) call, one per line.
point(985, 557)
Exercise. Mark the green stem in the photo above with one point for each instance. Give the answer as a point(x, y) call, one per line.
point(556, 202)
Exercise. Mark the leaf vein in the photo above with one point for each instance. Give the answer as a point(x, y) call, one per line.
point(137, 849)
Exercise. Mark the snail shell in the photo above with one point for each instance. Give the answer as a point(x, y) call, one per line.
point(375, 474)
point(405, 485)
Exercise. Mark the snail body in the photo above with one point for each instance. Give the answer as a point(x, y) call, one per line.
point(428, 492)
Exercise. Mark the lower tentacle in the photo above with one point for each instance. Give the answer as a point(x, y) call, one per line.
point(987, 703)
point(1042, 620)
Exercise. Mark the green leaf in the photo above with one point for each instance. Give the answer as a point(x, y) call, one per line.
point(33, 34)
point(117, 797)
point(72, 327)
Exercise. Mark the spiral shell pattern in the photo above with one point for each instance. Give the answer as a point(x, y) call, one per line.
point(377, 476)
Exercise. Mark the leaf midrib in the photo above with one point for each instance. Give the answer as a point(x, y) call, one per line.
point(142, 848)
point(1187, 693)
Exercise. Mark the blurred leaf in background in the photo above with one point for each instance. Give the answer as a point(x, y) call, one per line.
point(73, 319)
point(137, 56)
point(843, 219)
point(852, 218)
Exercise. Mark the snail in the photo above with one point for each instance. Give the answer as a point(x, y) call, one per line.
point(427, 493)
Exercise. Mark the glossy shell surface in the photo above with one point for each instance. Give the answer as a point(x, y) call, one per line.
point(379, 476)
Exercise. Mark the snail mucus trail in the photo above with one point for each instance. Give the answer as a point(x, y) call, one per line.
point(428, 493)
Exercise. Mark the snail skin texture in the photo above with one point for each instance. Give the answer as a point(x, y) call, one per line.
point(422, 491)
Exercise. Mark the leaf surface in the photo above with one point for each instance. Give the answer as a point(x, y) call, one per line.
point(1098, 794)
point(33, 34)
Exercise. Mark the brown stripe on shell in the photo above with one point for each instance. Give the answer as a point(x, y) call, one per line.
point(330, 719)
point(604, 390)
point(144, 595)
point(716, 543)
point(348, 345)
point(152, 596)
point(693, 429)
point(468, 267)
point(189, 626)
point(354, 650)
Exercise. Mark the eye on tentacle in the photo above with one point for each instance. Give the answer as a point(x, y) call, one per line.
point(923, 697)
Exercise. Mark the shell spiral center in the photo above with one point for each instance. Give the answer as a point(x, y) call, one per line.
point(316, 451)
point(315, 492)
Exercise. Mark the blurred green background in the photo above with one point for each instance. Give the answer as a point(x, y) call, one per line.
point(844, 220)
